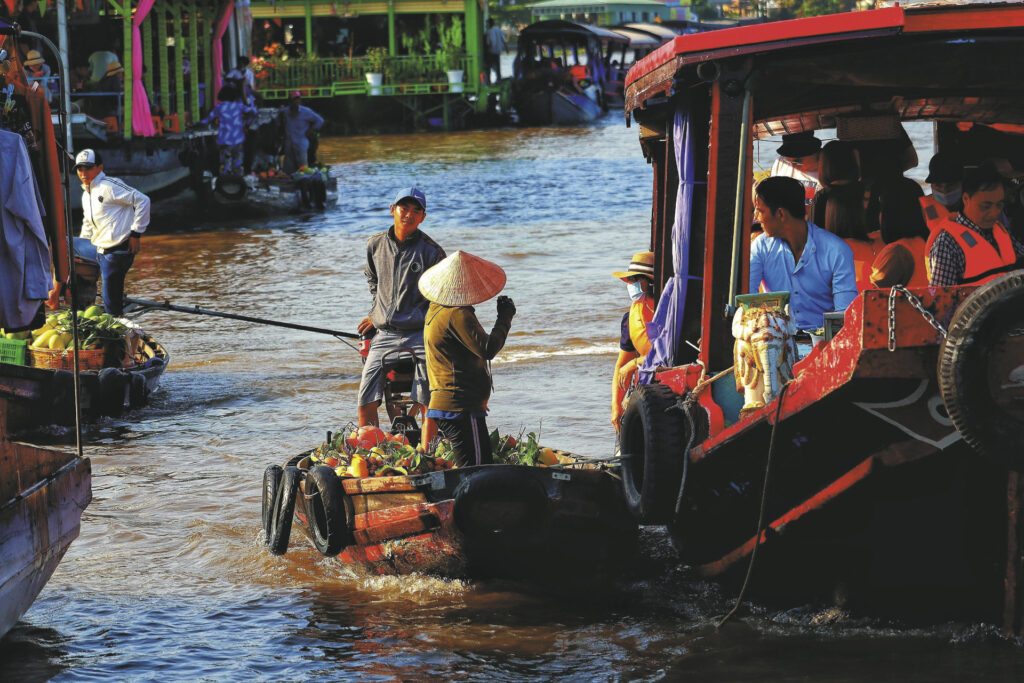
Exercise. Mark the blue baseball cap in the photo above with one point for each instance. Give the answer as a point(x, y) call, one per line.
point(411, 193)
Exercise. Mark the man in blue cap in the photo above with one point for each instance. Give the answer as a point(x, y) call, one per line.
point(395, 260)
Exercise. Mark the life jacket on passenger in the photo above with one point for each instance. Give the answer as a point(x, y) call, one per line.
point(935, 212)
point(641, 312)
point(979, 255)
point(863, 256)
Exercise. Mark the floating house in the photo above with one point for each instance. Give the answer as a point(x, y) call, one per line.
point(601, 12)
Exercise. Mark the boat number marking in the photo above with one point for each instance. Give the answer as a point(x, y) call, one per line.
point(561, 476)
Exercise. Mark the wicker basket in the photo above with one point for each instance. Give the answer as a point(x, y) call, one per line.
point(64, 359)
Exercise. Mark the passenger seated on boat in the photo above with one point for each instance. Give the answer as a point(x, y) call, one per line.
point(902, 235)
point(634, 344)
point(946, 176)
point(799, 158)
point(844, 217)
point(974, 245)
point(813, 265)
point(837, 169)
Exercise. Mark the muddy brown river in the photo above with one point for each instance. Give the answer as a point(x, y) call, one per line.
point(170, 580)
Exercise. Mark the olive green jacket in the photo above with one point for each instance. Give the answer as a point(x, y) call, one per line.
point(457, 353)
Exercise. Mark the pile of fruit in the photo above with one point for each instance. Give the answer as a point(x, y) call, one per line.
point(371, 452)
point(522, 451)
point(95, 330)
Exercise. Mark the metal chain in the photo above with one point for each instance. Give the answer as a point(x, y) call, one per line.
point(915, 303)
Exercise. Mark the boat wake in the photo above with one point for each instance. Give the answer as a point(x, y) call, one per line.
point(527, 354)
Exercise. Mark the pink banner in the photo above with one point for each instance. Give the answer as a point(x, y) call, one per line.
point(142, 117)
point(218, 49)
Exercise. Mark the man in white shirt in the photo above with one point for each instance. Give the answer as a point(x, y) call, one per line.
point(114, 217)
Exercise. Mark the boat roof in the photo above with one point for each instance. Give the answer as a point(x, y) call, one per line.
point(663, 32)
point(560, 27)
point(638, 38)
point(928, 60)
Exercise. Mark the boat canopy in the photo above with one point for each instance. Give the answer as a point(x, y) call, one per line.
point(639, 40)
point(558, 28)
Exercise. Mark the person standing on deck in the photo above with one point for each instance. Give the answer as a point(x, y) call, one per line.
point(634, 344)
point(395, 261)
point(974, 244)
point(114, 217)
point(495, 43)
point(799, 158)
point(459, 350)
point(298, 121)
point(230, 115)
point(798, 257)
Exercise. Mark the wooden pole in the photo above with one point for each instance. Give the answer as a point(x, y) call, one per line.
point(310, 43)
point(193, 56)
point(392, 42)
point(179, 66)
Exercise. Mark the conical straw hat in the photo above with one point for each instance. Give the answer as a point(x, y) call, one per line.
point(462, 280)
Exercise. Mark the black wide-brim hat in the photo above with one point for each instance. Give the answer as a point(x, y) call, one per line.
point(795, 145)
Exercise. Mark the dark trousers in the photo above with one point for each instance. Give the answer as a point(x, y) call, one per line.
point(113, 268)
point(470, 442)
point(492, 61)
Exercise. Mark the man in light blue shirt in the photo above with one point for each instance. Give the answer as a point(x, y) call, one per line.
point(298, 122)
point(798, 257)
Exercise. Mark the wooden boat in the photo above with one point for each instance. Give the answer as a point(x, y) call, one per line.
point(42, 495)
point(894, 475)
point(45, 396)
point(482, 521)
point(280, 193)
point(561, 72)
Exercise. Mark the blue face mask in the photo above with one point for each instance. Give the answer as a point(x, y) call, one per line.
point(947, 199)
point(635, 289)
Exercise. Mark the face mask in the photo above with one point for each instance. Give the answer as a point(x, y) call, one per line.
point(947, 199)
point(635, 289)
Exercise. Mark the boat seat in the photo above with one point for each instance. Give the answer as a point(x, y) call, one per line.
point(725, 396)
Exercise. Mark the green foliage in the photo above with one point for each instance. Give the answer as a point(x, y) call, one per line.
point(453, 44)
point(374, 59)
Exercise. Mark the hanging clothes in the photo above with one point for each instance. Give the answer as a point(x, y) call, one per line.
point(25, 276)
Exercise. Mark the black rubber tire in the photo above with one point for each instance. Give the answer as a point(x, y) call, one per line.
point(327, 511)
point(652, 437)
point(112, 384)
point(981, 323)
point(231, 186)
point(284, 507)
point(138, 393)
point(498, 499)
point(271, 483)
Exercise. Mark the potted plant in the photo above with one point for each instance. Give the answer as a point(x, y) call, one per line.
point(374, 61)
point(452, 53)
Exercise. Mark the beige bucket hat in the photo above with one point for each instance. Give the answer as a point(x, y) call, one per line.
point(462, 280)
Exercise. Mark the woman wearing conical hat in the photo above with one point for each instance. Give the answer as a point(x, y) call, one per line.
point(634, 343)
point(458, 350)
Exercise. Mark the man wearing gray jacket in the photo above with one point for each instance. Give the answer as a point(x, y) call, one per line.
point(395, 259)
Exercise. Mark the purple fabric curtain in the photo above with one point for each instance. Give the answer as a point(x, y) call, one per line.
point(664, 329)
point(142, 117)
point(218, 49)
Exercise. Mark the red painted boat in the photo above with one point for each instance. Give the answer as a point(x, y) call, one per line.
point(483, 521)
point(887, 471)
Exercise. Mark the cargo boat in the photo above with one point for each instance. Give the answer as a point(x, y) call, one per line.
point(886, 475)
point(474, 522)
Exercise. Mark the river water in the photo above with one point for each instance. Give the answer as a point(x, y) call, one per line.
point(169, 579)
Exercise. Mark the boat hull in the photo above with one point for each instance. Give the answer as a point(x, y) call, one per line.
point(44, 396)
point(42, 496)
point(487, 521)
point(545, 107)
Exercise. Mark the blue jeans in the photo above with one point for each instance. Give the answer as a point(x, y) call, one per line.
point(113, 269)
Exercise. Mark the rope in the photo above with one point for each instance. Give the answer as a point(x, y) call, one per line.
point(761, 515)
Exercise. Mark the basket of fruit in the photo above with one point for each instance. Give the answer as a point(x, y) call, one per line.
point(371, 452)
point(101, 341)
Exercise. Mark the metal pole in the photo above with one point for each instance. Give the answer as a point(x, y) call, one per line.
point(65, 85)
point(65, 175)
point(741, 197)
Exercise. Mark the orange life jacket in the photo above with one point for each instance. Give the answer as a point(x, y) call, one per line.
point(935, 212)
point(641, 312)
point(863, 257)
point(978, 252)
point(915, 245)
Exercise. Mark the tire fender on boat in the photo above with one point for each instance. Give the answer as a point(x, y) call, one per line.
point(284, 507)
point(981, 369)
point(497, 499)
point(112, 384)
point(652, 439)
point(271, 483)
point(329, 511)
